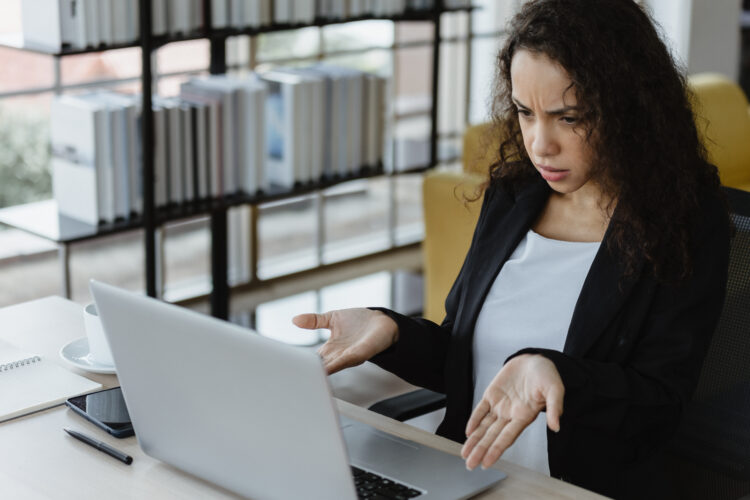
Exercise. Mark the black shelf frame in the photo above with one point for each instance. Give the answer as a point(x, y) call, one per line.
point(216, 208)
point(177, 212)
point(158, 41)
point(147, 140)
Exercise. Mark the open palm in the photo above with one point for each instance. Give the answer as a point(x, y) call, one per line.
point(525, 386)
point(356, 335)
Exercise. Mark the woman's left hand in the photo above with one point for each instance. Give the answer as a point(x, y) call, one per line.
point(526, 385)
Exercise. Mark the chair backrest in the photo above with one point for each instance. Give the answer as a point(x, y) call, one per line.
point(724, 123)
point(449, 219)
point(449, 224)
point(480, 148)
point(710, 456)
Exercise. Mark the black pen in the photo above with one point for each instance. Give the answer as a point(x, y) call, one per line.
point(101, 446)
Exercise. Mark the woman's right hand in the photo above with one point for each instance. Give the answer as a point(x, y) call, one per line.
point(356, 335)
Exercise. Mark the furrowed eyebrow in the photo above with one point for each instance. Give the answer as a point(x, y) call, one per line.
point(519, 103)
point(552, 112)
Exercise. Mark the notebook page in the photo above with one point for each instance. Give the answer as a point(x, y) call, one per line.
point(29, 383)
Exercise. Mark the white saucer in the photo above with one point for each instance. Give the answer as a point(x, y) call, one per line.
point(76, 353)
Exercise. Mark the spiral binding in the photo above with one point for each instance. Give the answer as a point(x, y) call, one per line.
point(17, 364)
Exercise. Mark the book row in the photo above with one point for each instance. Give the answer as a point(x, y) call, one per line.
point(82, 24)
point(258, 13)
point(223, 135)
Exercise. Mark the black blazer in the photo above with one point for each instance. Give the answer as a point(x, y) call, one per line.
point(631, 359)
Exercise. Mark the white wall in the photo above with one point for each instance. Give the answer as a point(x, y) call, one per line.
point(673, 17)
point(704, 35)
point(715, 37)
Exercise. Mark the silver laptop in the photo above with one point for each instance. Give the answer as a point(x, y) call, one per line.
point(254, 415)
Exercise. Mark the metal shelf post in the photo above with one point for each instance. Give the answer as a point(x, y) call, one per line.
point(147, 129)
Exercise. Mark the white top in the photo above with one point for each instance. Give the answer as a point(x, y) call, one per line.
point(530, 304)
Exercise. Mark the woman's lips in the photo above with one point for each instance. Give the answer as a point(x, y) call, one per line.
point(551, 174)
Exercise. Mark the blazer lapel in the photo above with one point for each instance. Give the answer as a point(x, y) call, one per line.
point(602, 295)
point(603, 292)
point(496, 242)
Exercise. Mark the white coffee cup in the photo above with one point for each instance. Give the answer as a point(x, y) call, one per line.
point(99, 351)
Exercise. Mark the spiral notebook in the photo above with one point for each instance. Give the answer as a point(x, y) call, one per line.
point(30, 383)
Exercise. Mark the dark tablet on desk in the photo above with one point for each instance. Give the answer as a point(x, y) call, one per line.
point(105, 409)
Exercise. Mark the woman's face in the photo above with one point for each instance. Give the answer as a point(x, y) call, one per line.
point(553, 135)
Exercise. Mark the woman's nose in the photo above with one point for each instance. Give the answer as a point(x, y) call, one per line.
point(544, 143)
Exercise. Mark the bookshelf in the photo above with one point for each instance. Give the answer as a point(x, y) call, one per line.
point(42, 218)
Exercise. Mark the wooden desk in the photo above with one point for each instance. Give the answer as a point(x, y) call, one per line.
point(38, 460)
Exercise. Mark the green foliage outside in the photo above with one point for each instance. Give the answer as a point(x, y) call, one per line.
point(24, 158)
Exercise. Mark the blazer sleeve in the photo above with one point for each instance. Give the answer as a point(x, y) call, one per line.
point(419, 355)
point(641, 398)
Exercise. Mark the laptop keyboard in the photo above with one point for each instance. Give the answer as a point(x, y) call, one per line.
point(373, 487)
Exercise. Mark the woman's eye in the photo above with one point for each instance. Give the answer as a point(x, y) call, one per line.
point(523, 112)
point(569, 119)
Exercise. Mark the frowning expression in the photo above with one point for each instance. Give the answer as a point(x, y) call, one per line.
point(553, 135)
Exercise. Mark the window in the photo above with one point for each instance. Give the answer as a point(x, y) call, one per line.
point(348, 220)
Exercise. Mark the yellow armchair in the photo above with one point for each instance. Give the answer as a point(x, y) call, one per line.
point(480, 148)
point(449, 224)
point(450, 218)
point(724, 123)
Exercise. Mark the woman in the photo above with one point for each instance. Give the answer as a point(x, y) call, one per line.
point(597, 270)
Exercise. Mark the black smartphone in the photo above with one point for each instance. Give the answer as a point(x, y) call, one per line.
point(105, 409)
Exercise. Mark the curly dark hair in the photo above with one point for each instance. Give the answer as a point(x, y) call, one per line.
point(647, 149)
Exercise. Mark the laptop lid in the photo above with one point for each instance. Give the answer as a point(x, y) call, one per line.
point(215, 400)
point(251, 414)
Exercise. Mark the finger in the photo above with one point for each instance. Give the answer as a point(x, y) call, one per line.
point(503, 441)
point(477, 415)
point(312, 321)
point(326, 351)
point(476, 434)
point(554, 403)
point(484, 444)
